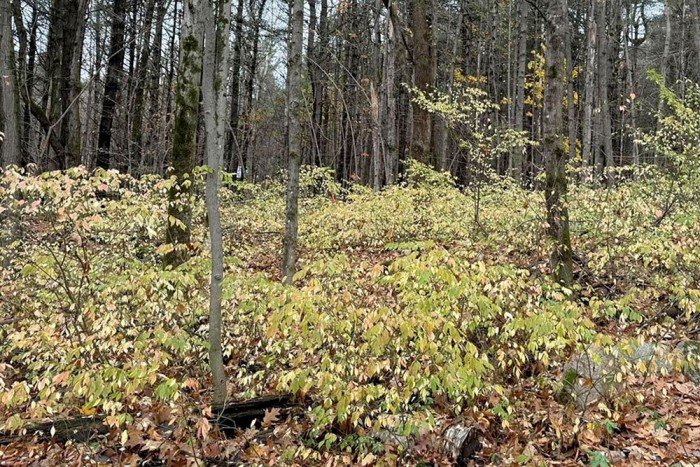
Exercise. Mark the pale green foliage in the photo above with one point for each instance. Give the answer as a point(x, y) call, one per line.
point(398, 302)
point(467, 111)
point(676, 142)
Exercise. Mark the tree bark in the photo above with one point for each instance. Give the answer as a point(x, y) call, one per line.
point(248, 130)
point(66, 19)
point(215, 70)
point(233, 153)
point(555, 157)
point(424, 80)
point(10, 140)
point(516, 164)
point(184, 150)
point(589, 84)
point(112, 84)
point(294, 118)
point(137, 142)
point(391, 155)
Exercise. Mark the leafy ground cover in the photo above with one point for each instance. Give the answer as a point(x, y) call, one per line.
point(414, 308)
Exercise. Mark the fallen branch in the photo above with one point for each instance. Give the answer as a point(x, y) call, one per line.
point(237, 415)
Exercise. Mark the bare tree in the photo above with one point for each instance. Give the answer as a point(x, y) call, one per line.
point(112, 83)
point(10, 150)
point(424, 79)
point(294, 119)
point(217, 20)
point(555, 156)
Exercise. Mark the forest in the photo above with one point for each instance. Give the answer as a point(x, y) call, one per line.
point(350, 232)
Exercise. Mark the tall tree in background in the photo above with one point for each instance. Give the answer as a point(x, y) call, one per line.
point(63, 56)
point(185, 132)
point(294, 119)
point(233, 154)
point(424, 79)
point(112, 83)
point(137, 143)
point(214, 76)
point(516, 161)
point(10, 152)
point(555, 156)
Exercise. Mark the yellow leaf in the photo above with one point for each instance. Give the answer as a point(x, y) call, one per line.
point(85, 410)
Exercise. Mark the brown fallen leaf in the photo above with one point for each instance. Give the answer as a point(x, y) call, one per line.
point(271, 416)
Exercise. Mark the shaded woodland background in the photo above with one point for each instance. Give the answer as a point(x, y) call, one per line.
point(93, 82)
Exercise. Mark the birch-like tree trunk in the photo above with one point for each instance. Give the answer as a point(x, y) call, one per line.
point(294, 119)
point(214, 75)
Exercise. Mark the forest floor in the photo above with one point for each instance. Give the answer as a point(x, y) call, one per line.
point(409, 315)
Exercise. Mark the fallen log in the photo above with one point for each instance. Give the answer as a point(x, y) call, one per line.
point(243, 414)
point(78, 429)
point(233, 416)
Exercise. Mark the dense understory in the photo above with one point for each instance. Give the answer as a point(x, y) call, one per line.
point(407, 314)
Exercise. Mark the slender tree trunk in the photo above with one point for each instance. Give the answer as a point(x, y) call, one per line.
point(663, 69)
point(294, 119)
point(555, 157)
point(391, 155)
point(233, 155)
point(215, 70)
point(10, 140)
point(696, 37)
point(73, 125)
point(424, 80)
point(156, 121)
point(137, 142)
point(571, 122)
point(377, 171)
point(605, 72)
point(438, 143)
point(249, 130)
point(27, 55)
point(589, 84)
point(112, 84)
point(184, 151)
point(517, 156)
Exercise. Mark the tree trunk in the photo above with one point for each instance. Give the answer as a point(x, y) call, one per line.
point(294, 118)
point(555, 157)
point(137, 142)
point(377, 173)
point(695, 10)
point(66, 19)
point(73, 137)
point(605, 73)
point(391, 155)
point(589, 84)
point(10, 141)
point(663, 69)
point(232, 154)
point(112, 84)
point(184, 150)
point(215, 70)
point(516, 164)
point(248, 130)
point(424, 80)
